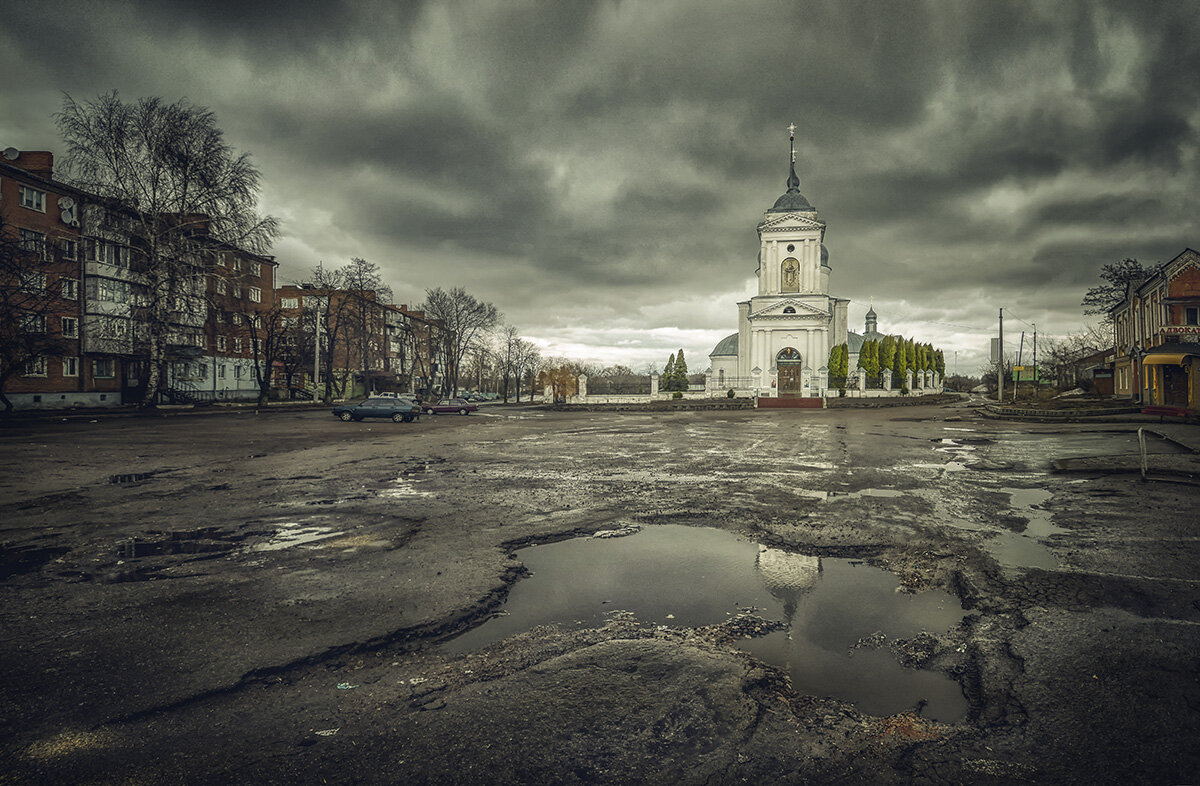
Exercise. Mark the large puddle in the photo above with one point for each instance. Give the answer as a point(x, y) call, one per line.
point(692, 576)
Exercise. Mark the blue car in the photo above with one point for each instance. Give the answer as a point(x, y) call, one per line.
point(398, 409)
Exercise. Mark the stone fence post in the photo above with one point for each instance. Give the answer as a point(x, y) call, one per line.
point(582, 386)
point(654, 386)
point(887, 379)
point(908, 379)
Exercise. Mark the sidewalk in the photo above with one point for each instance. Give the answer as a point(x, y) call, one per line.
point(164, 410)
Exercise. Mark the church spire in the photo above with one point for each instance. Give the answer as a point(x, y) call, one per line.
point(792, 201)
point(793, 182)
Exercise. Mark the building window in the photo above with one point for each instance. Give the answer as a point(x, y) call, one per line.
point(255, 294)
point(108, 253)
point(33, 283)
point(70, 248)
point(237, 372)
point(70, 327)
point(789, 310)
point(70, 288)
point(256, 269)
point(33, 323)
point(221, 318)
point(221, 288)
point(1191, 316)
point(256, 321)
point(103, 368)
point(237, 290)
point(289, 302)
point(35, 367)
point(237, 345)
point(31, 241)
point(221, 371)
point(220, 343)
point(235, 317)
point(70, 367)
point(33, 199)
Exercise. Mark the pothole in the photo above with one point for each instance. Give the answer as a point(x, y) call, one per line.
point(296, 533)
point(697, 576)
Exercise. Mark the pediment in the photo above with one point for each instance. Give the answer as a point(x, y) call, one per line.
point(777, 310)
point(791, 222)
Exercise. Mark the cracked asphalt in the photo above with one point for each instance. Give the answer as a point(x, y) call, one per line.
point(261, 598)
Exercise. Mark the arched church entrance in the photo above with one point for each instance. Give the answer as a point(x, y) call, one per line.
point(790, 365)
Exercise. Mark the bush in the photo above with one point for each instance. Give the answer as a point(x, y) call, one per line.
point(904, 390)
point(677, 394)
point(730, 394)
point(841, 392)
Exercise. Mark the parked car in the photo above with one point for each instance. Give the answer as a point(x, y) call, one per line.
point(448, 405)
point(398, 409)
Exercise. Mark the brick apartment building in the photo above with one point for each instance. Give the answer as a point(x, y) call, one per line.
point(47, 219)
point(79, 291)
point(375, 346)
point(1157, 332)
point(238, 303)
point(83, 255)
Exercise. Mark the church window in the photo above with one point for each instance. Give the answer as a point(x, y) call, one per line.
point(791, 275)
point(789, 310)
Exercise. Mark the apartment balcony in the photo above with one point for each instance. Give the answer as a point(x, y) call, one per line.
point(105, 270)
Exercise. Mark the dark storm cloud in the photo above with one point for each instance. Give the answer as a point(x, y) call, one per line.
point(612, 158)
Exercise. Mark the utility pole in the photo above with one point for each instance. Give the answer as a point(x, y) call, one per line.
point(1000, 362)
point(1017, 367)
point(1036, 373)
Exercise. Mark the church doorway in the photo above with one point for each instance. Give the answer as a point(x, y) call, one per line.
point(791, 378)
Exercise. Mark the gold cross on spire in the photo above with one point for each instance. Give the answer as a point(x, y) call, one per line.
point(792, 130)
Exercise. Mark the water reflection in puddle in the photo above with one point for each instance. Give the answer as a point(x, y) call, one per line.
point(693, 576)
point(293, 533)
point(1019, 550)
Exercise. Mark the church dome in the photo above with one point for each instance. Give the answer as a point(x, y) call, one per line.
point(792, 202)
point(726, 346)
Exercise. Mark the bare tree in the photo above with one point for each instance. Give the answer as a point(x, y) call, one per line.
point(176, 186)
point(326, 307)
point(27, 303)
point(526, 363)
point(268, 337)
point(465, 319)
point(507, 352)
point(364, 315)
point(1116, 275)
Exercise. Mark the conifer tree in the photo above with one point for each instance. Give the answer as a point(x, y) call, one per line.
point(899, 362)
point(681, 372)
point(872, 366)
point(939, 363)
point(887, 352)
point(668, 372)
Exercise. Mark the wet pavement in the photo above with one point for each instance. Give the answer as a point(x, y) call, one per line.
point(287, 598)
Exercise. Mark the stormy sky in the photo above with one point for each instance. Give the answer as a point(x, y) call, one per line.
point(597, 170)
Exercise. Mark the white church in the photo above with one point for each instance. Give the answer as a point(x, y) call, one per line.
point(785, 332)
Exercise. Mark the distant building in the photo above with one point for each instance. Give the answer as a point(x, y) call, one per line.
point(1157, 331)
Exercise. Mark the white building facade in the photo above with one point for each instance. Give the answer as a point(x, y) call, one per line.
point(785, 332)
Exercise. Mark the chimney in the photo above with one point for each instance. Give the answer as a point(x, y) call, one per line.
point(36, 162)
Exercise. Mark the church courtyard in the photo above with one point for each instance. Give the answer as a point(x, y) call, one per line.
point(286, 598)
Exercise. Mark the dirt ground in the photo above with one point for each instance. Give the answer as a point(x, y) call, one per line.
point(261, 598)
